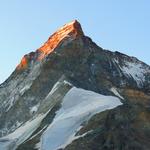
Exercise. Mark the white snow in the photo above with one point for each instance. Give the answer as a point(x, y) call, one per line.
point(134, 69)
point(37, 146)
point(73, 137)
point(66, 82)
point(114, 90)
point(21, 134)
point(78, 106)
point(25, 88)
point(38, 133)
point(34, 108)
point(10, 103)
point(54, 88)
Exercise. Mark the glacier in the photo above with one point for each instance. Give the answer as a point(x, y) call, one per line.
point(77, 107)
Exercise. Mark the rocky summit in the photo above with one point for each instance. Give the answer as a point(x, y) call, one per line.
point(71, 94)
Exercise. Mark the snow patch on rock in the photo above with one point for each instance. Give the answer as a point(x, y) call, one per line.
point(34, 109)
point(134, 69)
point(78, 106)
point(114, 90)
point(14, 139)
point(25, 88)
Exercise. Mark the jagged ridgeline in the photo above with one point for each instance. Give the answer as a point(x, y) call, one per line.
point(72, 94)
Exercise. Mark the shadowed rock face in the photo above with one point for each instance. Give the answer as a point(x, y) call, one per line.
point(68, 59)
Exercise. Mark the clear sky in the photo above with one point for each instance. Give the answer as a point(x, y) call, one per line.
point(118, 25)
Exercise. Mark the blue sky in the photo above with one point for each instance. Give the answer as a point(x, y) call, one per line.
point(113, 24)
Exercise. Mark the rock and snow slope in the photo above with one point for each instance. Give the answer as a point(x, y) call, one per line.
point(66, 93)
point(13, 140)
point(77, 107)
point(134, 69)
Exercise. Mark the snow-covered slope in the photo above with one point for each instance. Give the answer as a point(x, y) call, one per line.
point(78, 106)
point(134, 69)
point(13, 140)
point(24, 131)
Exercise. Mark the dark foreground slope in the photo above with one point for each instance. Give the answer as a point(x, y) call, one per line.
point(32, 97)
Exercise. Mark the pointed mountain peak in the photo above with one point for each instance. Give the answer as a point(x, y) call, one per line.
point(68, 32)
point(73, 27)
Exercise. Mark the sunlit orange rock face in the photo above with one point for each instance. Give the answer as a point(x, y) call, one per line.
point(69, 31)
point(23, 63)
point(25, 60)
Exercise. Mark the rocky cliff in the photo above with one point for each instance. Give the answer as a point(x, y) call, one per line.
point(72, 94)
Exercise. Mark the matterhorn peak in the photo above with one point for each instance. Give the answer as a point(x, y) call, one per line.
point(69, 31)
point(71, 94)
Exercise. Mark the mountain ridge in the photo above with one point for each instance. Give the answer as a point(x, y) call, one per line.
point(69, 31)
point(38, 90)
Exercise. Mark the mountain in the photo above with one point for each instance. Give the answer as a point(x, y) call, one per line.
point(74, 95)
